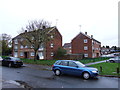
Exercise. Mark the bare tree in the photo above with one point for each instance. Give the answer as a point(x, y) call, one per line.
point(35, 34)
point(5, 43)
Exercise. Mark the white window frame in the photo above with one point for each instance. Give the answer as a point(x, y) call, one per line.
point(85, 47)
point(15, 47)
point(85, 40)
point(26, 46)
point(21, 54)
point(52, 54)
point(51, 45)
point(21, 47)
point(32, 54)
point(15, 41)
point(52, 36)
point(85, 55)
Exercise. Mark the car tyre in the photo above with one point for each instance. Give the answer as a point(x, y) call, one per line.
point(112, 61)
point(86, 75)
point(57, 72)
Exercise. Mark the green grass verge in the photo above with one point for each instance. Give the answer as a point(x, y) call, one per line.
point(51, 62)
point(107, 68)
point(90, 60)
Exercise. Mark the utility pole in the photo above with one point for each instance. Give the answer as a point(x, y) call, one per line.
point(80, 27)
point(56, 22)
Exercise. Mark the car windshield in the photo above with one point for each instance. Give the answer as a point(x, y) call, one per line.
point(15, 59)
point(80, 64)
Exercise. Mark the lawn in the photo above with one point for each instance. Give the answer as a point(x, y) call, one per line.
point(107, 68)
point(51, 62)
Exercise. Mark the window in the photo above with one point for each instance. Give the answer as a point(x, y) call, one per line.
point(52, 54)
point(51, 45)
point(85, 47)
point(32, 53)
point(21, 46)
point(52, 36)
point(26, 46)
point(15, 54)
point(15, 47)
point(72, 64)
point(65, 63)
point(32, 46)
point(85, 40)
point(21, 54)
point(16, 41)
point(41, 47)
point(85, 55)
point(21, 39)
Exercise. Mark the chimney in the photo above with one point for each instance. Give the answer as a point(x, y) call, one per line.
point(25, 31)
point(91, 36)
point(86, 33)
point(43, 27)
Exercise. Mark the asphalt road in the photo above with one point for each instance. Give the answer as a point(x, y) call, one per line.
point(39, 78)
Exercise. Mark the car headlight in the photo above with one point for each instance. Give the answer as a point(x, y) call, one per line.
point(94, 71)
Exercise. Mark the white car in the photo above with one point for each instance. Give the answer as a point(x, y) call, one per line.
point(1, 58)
point(114, 60)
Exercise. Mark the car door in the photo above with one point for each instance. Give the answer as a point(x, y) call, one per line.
point(7, 60)
point(73, 68)
point(64, 67)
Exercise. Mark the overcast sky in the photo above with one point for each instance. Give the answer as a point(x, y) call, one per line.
point(96, 17)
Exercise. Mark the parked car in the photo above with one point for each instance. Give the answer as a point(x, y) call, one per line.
point(114, 60)
point(1, 58)
point(12, 61)
point(72, 67)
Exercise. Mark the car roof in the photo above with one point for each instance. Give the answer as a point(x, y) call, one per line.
point(65, 60)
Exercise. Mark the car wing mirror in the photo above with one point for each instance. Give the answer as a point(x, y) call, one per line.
point(76, 66)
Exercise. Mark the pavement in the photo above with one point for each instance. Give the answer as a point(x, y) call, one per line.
point(14, 84)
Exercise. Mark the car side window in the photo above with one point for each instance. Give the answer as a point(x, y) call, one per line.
point(72, 64)
point(64, 63)
point(7, 59)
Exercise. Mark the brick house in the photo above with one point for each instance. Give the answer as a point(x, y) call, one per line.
point(86, 45)
point(46, 52)
point(67, 47)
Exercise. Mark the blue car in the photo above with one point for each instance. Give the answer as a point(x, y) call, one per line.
point(72, 67)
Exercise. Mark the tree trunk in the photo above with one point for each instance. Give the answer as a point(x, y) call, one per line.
point(35, 56)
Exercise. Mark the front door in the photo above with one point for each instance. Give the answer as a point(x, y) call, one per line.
point(26, 54)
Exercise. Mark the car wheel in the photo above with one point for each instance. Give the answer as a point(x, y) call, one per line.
point(57, 72)
point(86, 75)
point(10, 65)
point(112, 61)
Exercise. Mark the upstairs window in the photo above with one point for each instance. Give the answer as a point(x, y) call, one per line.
point(16, 41)
point(52, 36)
point(85, 47)
point(52, 54)
point(85, 40)
point(51, 45)
point(15, 47)
point(85, 55)
point(21, 47)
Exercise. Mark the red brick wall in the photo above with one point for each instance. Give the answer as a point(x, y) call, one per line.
point(78, 45)
point(57, 41)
